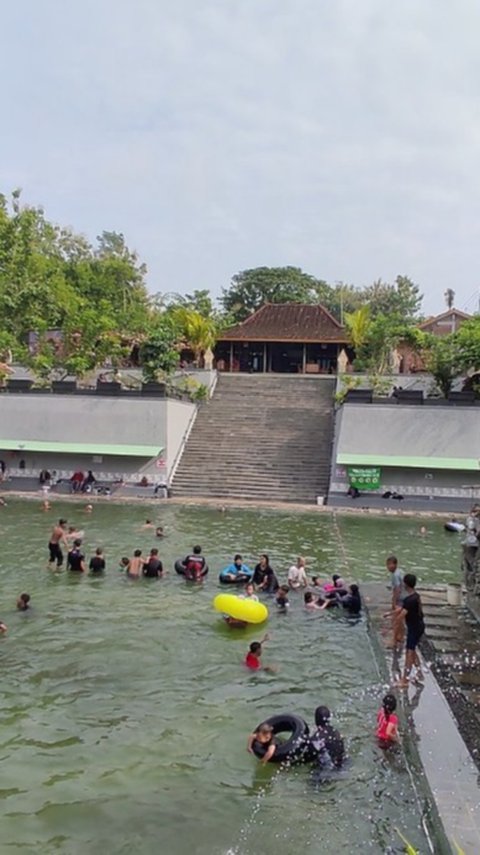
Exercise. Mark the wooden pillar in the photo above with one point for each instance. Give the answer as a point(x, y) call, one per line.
point(264, 356)
point(304, 358)
point(231, 356)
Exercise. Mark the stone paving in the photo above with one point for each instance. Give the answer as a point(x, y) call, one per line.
point(441, 720)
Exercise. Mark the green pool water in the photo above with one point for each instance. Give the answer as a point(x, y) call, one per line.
point(125, 707)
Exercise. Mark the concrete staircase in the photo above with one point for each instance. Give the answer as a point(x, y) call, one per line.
point(266, 436)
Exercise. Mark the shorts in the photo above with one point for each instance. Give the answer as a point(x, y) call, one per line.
point(413, 637)
point(56, 554)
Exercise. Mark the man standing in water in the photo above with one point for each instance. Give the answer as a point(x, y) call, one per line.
point(398, 623)
point(57, 538)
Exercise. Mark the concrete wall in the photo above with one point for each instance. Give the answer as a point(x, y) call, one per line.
point(410, 431)
point(88, 419)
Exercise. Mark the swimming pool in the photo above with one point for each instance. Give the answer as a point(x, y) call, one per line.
point(125, 707)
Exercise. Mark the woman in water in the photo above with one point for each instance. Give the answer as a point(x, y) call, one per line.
point(263, 576)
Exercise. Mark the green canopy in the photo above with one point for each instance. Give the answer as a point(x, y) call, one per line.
point(100, 448)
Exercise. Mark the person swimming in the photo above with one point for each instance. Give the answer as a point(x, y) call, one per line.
point(23, 602)
point(264, 737)
point(327, 742)
point(387, 722)
point(310, 602)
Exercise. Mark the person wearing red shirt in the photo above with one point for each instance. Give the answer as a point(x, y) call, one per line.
point(252, 659)
point(387, 722)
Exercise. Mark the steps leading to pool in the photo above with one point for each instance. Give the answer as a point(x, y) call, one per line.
point(261, 437)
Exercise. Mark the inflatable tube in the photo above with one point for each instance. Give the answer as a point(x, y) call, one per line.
point(292, 748)
point(241, 579)
point(454, 526)
point(235, 607)
point(180, 568)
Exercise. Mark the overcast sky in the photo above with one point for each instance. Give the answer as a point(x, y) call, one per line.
point(342, 136)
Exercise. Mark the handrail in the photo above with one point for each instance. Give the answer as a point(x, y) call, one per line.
point(181, 449)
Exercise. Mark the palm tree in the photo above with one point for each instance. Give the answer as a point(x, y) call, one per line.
point(358, 325)
point(449, 295)
point(199, 333)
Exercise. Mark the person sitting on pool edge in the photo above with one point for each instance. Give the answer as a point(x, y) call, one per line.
point(327, 742)
point(264, 737)
point(237, 572)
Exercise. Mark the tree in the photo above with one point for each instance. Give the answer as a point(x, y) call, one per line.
point(250, 289)
point(442, 358)
point(449, 295)
point(158, 353)
point(199, 333)
point(403, 298)
point(358, 325)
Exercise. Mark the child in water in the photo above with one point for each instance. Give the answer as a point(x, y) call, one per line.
point(23, 602)
point(263, 737)
point(387, 722)
point(124, 562)
point(281, 598)
point(252, 659)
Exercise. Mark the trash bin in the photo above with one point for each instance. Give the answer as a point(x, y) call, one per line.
point(454, 594)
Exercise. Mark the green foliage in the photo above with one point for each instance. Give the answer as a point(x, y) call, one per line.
point(158, 353)
point(358, 324)
point(468, 342)
point(348, 382)
point(442, 358)
point(402, 299)
point(250, 289)
point(198, 332)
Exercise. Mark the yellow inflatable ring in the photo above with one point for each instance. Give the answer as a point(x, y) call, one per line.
point(241, 609)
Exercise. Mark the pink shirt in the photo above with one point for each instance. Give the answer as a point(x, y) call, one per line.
point(383, 722)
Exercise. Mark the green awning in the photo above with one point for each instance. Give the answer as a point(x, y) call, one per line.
point(460, 463)
point(100, 448)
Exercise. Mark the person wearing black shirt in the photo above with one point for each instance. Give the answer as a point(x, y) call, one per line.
point(97, 563)
point(263, 576)
point(411, 611)
point(153, 568)
point(76, 558)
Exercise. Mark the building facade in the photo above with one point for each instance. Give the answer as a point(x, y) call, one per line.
point(286, 338)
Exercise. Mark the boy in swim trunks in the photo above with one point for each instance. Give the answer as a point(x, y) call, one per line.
point(264, 738)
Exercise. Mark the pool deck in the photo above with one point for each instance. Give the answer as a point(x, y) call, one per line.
point(440, 720)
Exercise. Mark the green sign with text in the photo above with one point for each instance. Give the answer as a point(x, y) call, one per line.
point(364, 477)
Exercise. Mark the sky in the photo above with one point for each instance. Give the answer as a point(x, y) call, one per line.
point(340, 136)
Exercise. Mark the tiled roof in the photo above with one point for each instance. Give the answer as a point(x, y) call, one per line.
point(443, 317)
point(288, 322)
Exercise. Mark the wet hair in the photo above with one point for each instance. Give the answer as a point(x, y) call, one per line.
point(392, 559)
point(335, 577)
point(99, 550)
point(62, 521)
point(265, 728)
point(255, 647)
point(137, 553)
point(308, 597)
point(389, 705)
point(285, 589)
point(264, 555)
point(197, 550)
point(410, 580)
point(77, 542)
point(322, 716)
point(354, 589)
point(25, 598)
point(125, 561)
point(314, 579)
point(154, 552)
point(147, 522)
point(237, 557)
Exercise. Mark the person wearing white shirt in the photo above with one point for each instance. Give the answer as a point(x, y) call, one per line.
point(297, 578)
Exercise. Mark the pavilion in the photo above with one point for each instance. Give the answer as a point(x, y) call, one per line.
point(283, 337)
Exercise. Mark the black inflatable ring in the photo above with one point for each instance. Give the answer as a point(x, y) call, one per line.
point(244, 580)
point(296, 744)
point(180, 568)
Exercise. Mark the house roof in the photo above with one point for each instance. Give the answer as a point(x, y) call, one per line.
point(443, 316)
point(288, 322)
